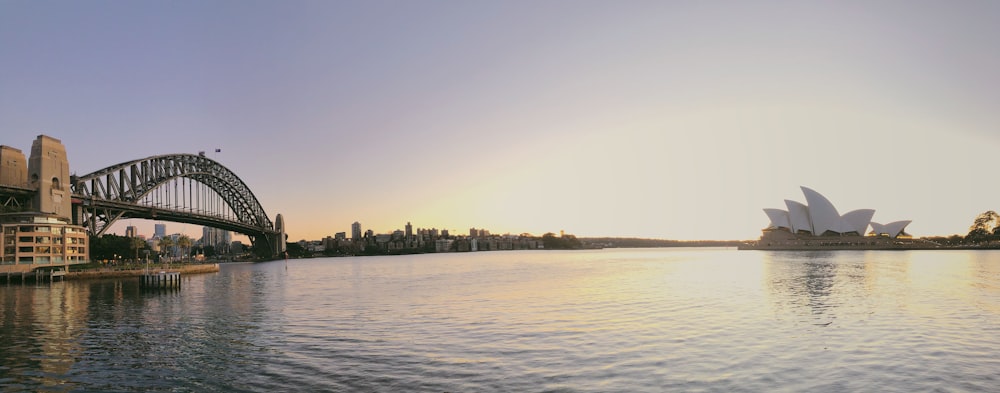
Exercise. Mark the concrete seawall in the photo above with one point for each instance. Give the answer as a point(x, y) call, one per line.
point(185, 269)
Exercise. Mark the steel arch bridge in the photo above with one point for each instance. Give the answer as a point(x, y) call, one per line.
point(184, 188)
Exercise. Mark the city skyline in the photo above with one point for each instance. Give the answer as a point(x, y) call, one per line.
point(667, 120)
point(152, 230)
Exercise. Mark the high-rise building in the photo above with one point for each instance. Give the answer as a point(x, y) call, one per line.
point(159, 231)
point(130, 231)
point(356, 231)
point(215, 237)
point(409, 230)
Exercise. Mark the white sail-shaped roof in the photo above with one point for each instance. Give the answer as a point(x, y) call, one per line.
point(798, 216)
point(823, 215)
point(892, 229)
point(896, 228)
point(856, 221)
point(778, 217)
point(818, 216)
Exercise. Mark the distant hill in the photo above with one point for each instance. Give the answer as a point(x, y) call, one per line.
point(628, 242)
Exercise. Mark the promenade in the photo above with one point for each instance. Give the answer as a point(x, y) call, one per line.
point(135, 272)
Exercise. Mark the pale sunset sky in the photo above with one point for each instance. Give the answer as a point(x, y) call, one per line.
point(656, 119)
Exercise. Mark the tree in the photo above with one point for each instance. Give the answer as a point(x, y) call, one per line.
point(295, 250)
point(165, 243)
point(137, 244)
point(184, 242)
point(984, 227)
point(208, 251)
point(108, 247)
point(564, 242)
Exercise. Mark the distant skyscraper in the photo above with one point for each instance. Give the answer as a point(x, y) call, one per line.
point(356, 231)
point(217, 238)
point(159, 230)
point(130, 231)
point(409, 230)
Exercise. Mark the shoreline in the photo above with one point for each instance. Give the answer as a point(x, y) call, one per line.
point(102, 273)
point(787, 241)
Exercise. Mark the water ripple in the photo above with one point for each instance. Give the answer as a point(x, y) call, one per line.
point(597, 321)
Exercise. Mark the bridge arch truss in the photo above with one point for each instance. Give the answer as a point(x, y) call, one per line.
point(183, 188)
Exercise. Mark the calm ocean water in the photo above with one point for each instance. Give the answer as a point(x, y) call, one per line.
point(636, 320)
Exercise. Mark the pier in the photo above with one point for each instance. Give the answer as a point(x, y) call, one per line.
point(43, 275)
point(34, 276)
point(160, 280)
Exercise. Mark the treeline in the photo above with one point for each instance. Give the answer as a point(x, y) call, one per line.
point(564, 242)
point(111, 247)
point(984, 232)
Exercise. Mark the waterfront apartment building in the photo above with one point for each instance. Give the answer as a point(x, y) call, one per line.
point(32, 239)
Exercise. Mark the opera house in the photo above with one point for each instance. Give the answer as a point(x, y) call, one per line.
point(818, 225)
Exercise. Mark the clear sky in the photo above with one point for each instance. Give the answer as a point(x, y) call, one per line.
point(660, 119)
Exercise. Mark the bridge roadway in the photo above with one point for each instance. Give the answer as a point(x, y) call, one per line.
point(132, 210)
point(7, 190)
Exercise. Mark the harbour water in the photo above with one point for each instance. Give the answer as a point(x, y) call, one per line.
point(626, 320)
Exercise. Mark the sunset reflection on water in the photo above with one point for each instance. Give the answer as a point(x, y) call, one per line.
point(604, 320)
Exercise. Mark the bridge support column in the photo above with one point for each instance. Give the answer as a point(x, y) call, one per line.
point(48, 172)
point(279, 240)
